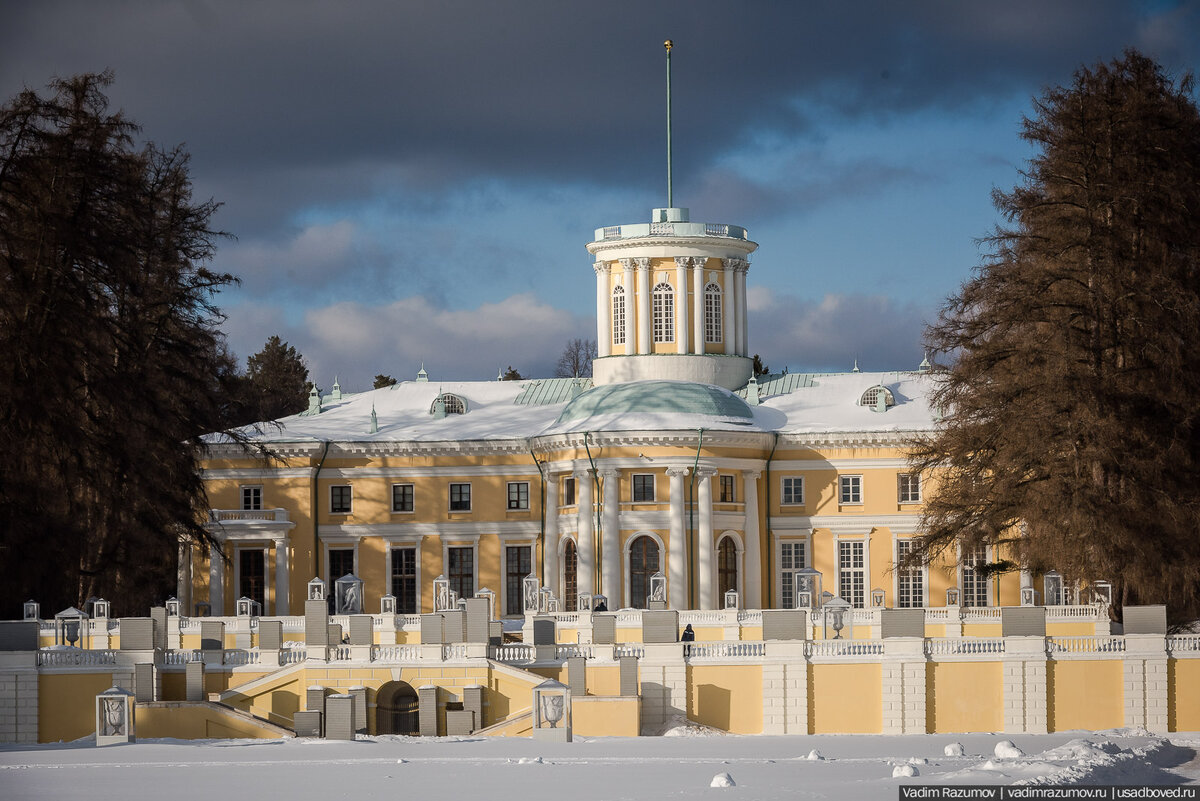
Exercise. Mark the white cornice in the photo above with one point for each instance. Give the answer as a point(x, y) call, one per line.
point(443, 530)
point(839, 439)
point(255, 473)
point(708, 245)
point(230, 530)
point(848, 524)
point(641, 439)
point(839, 464)
point(521, 470)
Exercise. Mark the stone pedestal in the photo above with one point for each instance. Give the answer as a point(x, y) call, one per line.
point(114, 717)
point(903, 691)
point(1025, 685)
point(1144, 677)
point(785, 688)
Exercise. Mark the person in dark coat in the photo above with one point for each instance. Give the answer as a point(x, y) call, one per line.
point(688, 636)
point(601, 607)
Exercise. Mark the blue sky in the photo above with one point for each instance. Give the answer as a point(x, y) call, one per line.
point(415, 182)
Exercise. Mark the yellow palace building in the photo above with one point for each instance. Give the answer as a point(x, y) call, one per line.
point(671, 540)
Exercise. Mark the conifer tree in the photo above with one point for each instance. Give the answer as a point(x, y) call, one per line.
point(277, 380)
point(1070, 422)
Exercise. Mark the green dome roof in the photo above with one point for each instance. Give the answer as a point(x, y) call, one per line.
point(657, 398)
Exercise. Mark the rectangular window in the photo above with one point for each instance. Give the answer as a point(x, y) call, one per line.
point(461, 571)
point(643, 488)
point(460, 499)
point(252, 575)
point(974, 584)
point(402, 498)
point(791, 559)
point(518, 561)
point(712, 313)
point(618, 316)
point(793, 490)
point(727, 495)
point(568, 492)
point(341, 563)
point(852, 579)
point(404, 580)
point(909, 488)
point(910, 581)
point(339, 499)
point(251, 499)
point(850, 489)
point(518, 495)
point(664, 313)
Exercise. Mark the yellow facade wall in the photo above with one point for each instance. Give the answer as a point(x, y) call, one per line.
point(195, 722)
point(67, 705)
point(1183, 694)
point(726, 697)
point(845, 699)
point(606, 716)
point(964, 696)
point(1085, 694)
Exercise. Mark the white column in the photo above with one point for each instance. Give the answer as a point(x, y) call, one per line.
point(283, 602)
point(681, 304)
point(631, 307)
point(603, 307)
point(643, 306)
point(610, 538)
point(752, 581)
point(743, 321)
point(698, 293)
point(677, 550)
point(550, 545)
point(216, 579)
point(705, 564)
point(730, 309)
point(584, 530)
point(183, 576)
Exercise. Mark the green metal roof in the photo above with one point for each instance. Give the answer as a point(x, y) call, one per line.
point(656, 397)
point(782, 384)
point(547, 391)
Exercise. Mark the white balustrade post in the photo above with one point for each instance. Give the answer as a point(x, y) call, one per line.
point(677, 549)
point(752, 581)
point(603, 310)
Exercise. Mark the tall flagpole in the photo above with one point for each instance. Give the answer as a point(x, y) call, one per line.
point(668, 44)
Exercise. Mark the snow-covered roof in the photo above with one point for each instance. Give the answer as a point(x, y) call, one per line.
point(804, 403)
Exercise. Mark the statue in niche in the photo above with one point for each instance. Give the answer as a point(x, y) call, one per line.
point(350, 599)
point(112, 722)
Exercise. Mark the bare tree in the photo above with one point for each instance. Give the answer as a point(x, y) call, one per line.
point(576, 359)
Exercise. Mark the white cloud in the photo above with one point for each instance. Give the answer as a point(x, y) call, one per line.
point(314, 256)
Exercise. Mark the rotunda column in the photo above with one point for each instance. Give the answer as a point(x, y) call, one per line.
point(698, 263)
point(216, 579)
point(729, 312)
point(550, 542)
point(282, 563)
point(704, 561)
point(586, 549)
point(752, 580)
point(603, 310)
point(632, 312)
point(643, 306)
point(677, 549)
point(743, 339)
point(610, 536)
point(681, 304)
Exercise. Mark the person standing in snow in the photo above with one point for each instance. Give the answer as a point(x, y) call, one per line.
point(688, 636)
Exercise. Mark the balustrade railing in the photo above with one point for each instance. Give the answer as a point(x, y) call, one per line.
point(843, 648)
point(954, 646)
point(454, 651)
point(1183, 643)
point(292, 656)
point(235, 515)
point(182, 657)
point(1074, 612)
point(570, 651)
point(703, 617)
point(981, 614)
point(725, 650)
point(511, 652)
point(76, 658)
point(240, 658)
point(395, 653)
point(1085, 645)
point(750, 617)
point(629, 649)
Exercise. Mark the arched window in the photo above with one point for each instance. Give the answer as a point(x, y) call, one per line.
point(643, 563)
point(570, 576)
point(453, 404)
point(618, 316)
point(871, 396)
point(712, 313)
point(664, 312)
point(727, 568)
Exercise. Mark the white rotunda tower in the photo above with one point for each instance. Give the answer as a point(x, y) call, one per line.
point(671, 301)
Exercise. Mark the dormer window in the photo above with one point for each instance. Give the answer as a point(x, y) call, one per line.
point(450, 404)
point(878, 398)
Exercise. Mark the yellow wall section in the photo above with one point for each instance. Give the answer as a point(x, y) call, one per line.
point(964, 696)
point(1183, 694)
point(67, 705)
point(612, 716)
point(727, 697)
point(195, 722)
point(845, 699)
point(1085, 695)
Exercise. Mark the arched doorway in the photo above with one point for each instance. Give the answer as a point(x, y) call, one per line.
point(396, 709)
point(570, 577)
point(643, 563)
point(727, 568)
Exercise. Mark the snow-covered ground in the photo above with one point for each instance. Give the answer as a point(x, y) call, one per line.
point(500, 769)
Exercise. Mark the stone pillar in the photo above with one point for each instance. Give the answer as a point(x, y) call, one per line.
point(729, 312)
point(681, 304)
point(663, 685)
point(643, 306)
point(705, 564)
point(785, 689)
point(1145, 681)
point(743, 319)
point(698, 294)
point(752, 558)
point(216, 579)
point(632, 312)
point(603, 310)
point(183, 576)
point(610, 538)
point(283, 603)
point(587, 541)
point(1025, 685)
point(677, 550)
point(903, 691)
point(550, 543)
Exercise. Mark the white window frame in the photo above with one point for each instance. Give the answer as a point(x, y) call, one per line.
point(411, 541)
point(713, 309)
point(962, 573)
point(783, 490)
point(626, 550)
point(508, 497)
point(268, 587)
point(337, 545)
point(350, 507)
point(396, 511)
point(459, 542)
point(633, 498)
point(866, 568)
point(801, 539)
point(849, 486)
point(663, 312)
point(569, 481)
point(721, 479)
point(560, 592)
point(257, 504)
point(511, 541)
point(921, 572)
point(739, 562)
point(618, 315)
point(450, 497)
point(910, 493)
